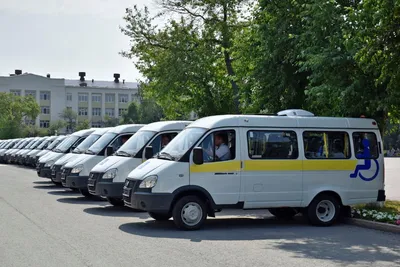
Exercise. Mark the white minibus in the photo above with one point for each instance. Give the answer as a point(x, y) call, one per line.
point(291, 163)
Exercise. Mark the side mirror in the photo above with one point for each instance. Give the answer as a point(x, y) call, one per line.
point(198, 156)
point(148, 152)
point(109, 151)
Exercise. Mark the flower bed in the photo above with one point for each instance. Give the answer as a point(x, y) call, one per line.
point(389, 213)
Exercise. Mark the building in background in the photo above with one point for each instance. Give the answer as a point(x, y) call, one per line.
point(92, 100)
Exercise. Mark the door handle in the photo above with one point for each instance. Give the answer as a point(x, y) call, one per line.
point(224, 173)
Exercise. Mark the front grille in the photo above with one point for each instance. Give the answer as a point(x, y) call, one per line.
point(94, 178)
point(65, 173)
point(55, 169)
point(130, 186)
point(39, 166)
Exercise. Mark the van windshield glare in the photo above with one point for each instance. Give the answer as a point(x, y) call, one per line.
point(90, 140)
point(183, 142)
point(135, 143)
point(66, 144)
point(101, 143)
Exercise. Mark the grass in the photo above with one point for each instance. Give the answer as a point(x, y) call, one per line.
point(391, 206)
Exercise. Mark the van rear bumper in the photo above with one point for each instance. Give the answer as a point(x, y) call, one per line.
point(381, 196)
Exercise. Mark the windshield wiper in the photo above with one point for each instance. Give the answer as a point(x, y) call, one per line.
point(76, 151)
point(57, 150)
point(90, 152)
point(165, 155)
point(123, 154)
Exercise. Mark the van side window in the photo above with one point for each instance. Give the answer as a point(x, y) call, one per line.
point(365, 145)
point(272, 145)
point(119, 141)
point(161, 141)
point(326, 145)
point(219, 146)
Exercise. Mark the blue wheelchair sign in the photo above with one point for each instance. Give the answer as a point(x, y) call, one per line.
point(366, 155)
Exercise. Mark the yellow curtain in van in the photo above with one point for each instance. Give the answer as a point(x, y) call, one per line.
point(346, 145)
point(326, 144)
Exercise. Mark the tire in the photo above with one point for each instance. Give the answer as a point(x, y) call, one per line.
point(160, 216)
point(117, 202)
point(283, 213)
point(85, 192)
point(324, 210)
point(188, 204)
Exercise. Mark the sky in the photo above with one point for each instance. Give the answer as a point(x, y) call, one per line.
point(64, 37)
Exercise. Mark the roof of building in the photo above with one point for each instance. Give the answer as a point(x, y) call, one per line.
point(102, 84)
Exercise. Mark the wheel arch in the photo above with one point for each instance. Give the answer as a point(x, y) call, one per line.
point(192, 190)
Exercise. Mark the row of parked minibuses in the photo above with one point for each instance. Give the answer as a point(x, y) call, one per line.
point(290, 163)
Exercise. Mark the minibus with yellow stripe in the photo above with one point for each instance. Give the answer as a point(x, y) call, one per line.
point(290, 163)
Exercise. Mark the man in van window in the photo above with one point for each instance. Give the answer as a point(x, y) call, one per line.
point(165, 140)
point(222, 151)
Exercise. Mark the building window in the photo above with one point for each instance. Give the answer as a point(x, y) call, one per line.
point(122, 111)
point(96, 98)
point(110, 98)
point(30, 122)
point(16, 92)
point(109, 112)
point(272, 145)
point(44, 124)
point(31, 93)
point(97, 124)
point(45, 95)
point(83, 111)
point(69, 97)
point(123, 98)
point(45, 110)
point(83, 98)
point(96, 111)
point(326, 145)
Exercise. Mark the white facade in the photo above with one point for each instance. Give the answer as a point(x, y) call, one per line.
point(91, 99)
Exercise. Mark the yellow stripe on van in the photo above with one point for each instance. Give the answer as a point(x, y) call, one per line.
point(329, 165)
point(228, 166)
point(273, 165)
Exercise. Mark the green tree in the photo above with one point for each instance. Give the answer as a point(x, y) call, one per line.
point(83, 125)
point(56, 126)
point(132, 115)
point(70, 117)
point(13, 109)
point(149, 111)
point(110, 121)
point(187, 62)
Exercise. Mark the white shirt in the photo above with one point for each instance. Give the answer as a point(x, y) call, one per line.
point(223, 152)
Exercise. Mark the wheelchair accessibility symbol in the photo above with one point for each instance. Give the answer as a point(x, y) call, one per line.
point(367, 164)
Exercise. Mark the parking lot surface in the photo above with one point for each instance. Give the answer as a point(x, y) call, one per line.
point(45, 225)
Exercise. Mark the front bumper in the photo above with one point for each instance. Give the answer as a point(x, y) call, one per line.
point(45, 172)
point(107, 189)
point(79, 182)
point(147, 201)
point(381, 196)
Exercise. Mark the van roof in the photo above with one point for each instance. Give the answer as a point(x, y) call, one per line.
point(283, 122)
point(165, 126)
point(127, 128)
point(84, 132)
point(101, 131)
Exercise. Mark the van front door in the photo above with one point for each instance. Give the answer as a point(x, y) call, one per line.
point(220, 172)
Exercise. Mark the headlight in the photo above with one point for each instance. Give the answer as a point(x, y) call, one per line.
point(49, 163)
point(77, 169)
point(110, 174)
point(149, 182)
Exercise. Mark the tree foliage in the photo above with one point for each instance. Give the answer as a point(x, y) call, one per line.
point(147, 111)
point(13, 109)
point(70, 117)
point(56, 126)
point(82, 125)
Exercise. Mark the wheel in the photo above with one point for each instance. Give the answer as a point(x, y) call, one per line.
point(324, 210)
point(189, 213)
point(160, 216)
point(117, 202)
point(85, 192)
point(283, 213)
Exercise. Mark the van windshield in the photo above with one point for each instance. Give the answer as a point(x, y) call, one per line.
point(135, 143)
point(182, 143)
point(90, 140)
point(66, 144)
point(55, 143)
point(43, 144)
point(100, 144)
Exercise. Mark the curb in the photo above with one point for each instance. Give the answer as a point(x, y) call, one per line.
point(374, 225)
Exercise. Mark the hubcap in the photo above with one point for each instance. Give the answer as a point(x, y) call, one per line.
point(191, 213)
point(325, 210)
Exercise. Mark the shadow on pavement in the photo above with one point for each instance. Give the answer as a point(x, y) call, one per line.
point(43, 182)
point(50, 186)
point(341, 244)
point(111, 211)
point(82, 200)
point(63, 193)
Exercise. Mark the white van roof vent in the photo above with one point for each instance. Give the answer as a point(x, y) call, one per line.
point(295, 113)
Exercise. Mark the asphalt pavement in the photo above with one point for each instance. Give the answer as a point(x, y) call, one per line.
point(44, 225)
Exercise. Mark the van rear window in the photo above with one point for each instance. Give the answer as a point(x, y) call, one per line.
point(365, 145)
point(272, 145)
point(326, 145)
